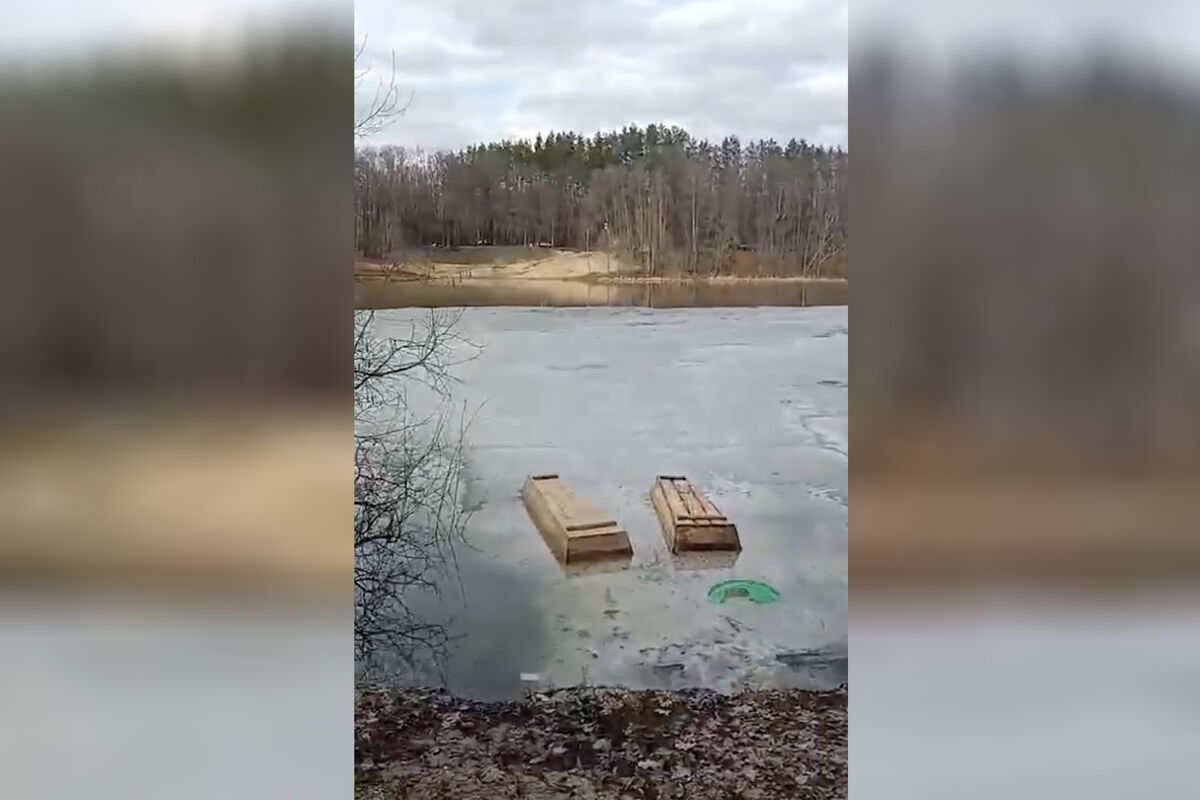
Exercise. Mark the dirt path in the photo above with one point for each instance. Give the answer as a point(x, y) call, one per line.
point(602, 743)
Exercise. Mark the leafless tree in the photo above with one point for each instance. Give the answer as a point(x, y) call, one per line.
point(657, 197)
point(409, 507)
point(384, 104)
point(408, 470)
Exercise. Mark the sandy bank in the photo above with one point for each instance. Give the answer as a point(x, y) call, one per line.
point(546, 264)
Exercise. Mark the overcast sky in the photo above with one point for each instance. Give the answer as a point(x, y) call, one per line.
point(479, 70)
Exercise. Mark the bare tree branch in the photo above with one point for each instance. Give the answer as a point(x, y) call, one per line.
point(384, 106)
point(410, 511)
point(656, 197)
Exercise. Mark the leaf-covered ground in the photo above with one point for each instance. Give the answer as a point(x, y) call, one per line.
point(602, 743)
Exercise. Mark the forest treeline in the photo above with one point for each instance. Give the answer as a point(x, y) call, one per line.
point(656, 196)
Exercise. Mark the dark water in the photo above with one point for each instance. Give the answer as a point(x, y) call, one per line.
point(401, 294)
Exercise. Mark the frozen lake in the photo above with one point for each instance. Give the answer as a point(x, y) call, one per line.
point(749, 403)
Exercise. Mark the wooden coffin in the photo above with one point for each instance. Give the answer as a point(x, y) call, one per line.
point(572, 526)
point(689, 520)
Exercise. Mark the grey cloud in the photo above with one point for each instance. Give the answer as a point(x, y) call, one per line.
point(747, 103)
point(551, 28)
point(484, 70)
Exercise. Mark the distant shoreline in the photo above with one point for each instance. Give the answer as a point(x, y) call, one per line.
point(647, 279)
point(453, 266)
point(366, 271)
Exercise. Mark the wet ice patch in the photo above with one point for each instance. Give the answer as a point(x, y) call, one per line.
point(717, 485)
point(576, 367)
point(832, 332)
point(828, 493)
point(826, 666)
point(828, 433)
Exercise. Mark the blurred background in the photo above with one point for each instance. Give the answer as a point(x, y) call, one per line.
point(1025, 503)
point(175, 412)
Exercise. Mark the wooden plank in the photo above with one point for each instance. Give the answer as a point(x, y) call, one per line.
point(705, 559)
point(709, 509)
point(575, 512)
point(572, 526)
point(703, 506)
point(692, 501)
point(587, 526)
point(682, 491)
point(679, 509)
point(690, 521)
point(662, 510)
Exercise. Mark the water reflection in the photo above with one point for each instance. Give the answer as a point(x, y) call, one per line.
point(706, 559)
point(826, 667)
point(380, 293)
point(596, 566)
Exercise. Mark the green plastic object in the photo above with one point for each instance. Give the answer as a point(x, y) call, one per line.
point(755, 591)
